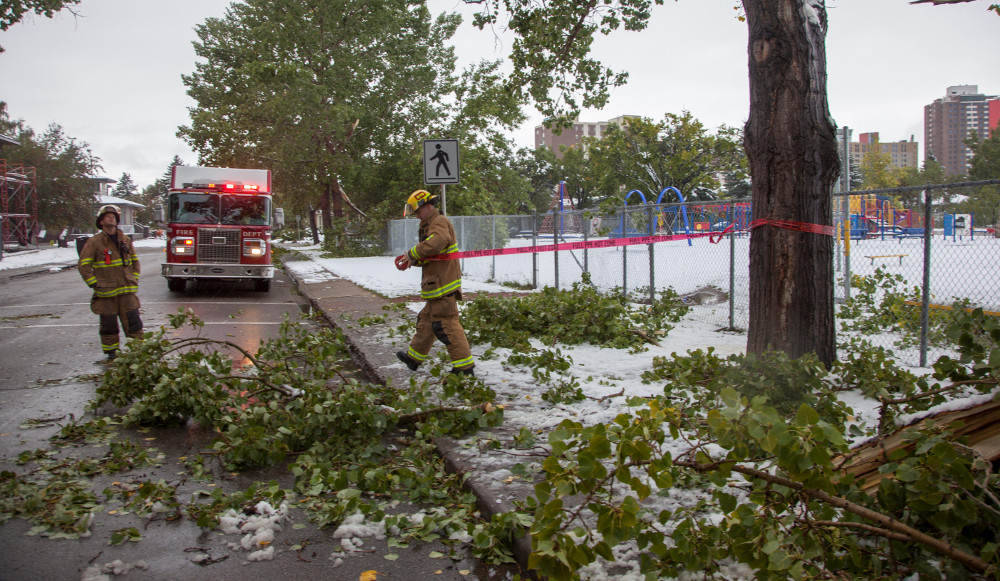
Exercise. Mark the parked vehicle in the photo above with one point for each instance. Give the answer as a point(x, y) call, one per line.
point(218, 226)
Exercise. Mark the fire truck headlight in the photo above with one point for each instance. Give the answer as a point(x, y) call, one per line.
point(182, 245)
point(253, 247)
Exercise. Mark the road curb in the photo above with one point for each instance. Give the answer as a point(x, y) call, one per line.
point(371, 362)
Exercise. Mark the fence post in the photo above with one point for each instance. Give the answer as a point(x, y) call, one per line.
point(624, 251)
point(555, 240)
point(586, 237)
point(732, 265)
point(925, 291)
point(493, 245)
point(652, 255)
point(534, 243)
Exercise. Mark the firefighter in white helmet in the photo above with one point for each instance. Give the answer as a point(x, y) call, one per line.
point(440, 286)
point(110, 266)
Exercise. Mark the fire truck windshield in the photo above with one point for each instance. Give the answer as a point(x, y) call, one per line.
point(245, 210)
point(230, 209)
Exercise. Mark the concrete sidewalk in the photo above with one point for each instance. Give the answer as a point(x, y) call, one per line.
point(342, 303)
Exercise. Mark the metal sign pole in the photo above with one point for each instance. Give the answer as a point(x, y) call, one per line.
point(444, 201)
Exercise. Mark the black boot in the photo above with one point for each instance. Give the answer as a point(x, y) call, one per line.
point(470, 371)
point(410, 362)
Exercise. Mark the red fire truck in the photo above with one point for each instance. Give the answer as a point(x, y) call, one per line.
point(218, 226)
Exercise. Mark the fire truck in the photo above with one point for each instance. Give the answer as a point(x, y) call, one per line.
point(218, 226)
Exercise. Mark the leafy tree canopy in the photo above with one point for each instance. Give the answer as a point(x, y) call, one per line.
point(63, 167)
point(336, 96)
point(126, 188)
point(675, 152)
point(877, 170)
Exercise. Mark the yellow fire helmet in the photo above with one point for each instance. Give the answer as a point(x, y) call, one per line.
point(417, 199)
point(108, 209)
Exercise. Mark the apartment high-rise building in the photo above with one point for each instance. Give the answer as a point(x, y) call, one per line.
point(573, 136)
point(950, 120)
point(903, 153)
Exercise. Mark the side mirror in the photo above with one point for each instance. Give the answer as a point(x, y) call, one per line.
point(158, 214)
point(279, 218)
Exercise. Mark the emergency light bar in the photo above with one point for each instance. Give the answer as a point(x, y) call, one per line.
point(234, 187)
point(216, 179)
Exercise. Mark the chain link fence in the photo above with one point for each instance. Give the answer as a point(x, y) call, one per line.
point(712, 276)
point(913, 264)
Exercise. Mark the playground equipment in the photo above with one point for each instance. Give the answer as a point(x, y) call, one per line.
point(673, 210)
point(569, 223)
point(682, 218)
point(958, 225)
point(873, 216)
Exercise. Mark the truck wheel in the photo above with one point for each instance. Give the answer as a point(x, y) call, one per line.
point(262, 285)
point(176, 284)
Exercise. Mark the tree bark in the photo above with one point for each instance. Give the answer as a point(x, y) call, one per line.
point(791, 145)
point(313, 225)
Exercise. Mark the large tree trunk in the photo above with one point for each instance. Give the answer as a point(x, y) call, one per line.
point(338, 200)
point(792, 148)
point(313, 225)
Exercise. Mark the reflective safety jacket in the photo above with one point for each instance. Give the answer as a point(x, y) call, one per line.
point(111, 270)
point(440, 278)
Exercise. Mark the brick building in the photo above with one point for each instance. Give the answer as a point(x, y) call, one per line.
point(573, 136)
point(950, 120)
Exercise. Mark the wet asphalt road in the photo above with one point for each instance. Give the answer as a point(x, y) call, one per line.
point(49, 353)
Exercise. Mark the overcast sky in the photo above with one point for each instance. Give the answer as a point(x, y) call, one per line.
point(112, 76)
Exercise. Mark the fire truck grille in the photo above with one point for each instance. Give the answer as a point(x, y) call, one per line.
point(219, 246)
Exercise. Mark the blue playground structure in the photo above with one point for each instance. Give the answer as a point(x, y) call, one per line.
point(684, 218)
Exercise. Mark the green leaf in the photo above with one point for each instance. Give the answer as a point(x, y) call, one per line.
point(727, 502)
point(806, 416)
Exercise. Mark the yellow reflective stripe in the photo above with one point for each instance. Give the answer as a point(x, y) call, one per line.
point(417, 356)
point(463, 362)
point(86, 261)
point(90, 280)
point(116, 262)
point(122, 290)
point(440, 292)
point(450, 250)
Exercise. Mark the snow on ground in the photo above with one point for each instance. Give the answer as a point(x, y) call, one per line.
point(608, 377)
point(601, 373)
point(54, 256)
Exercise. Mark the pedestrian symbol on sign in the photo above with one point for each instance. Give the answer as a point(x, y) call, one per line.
point(441, 161)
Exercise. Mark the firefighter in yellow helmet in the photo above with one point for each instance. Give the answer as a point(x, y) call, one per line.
point(440, 286)
point(110, 266)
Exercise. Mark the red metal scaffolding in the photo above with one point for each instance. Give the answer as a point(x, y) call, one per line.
point(18, 206)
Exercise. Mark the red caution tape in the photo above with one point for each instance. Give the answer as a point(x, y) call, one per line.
point(790, 225)
point(713, 237)
point(610, 243)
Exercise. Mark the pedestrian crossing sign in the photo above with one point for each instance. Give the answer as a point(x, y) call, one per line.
point(441, 161)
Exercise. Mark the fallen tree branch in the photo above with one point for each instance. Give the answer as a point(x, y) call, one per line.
point(645, 336)
point(606, 397)
point(415, 417)
point(971, 562)
point(862, 526)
